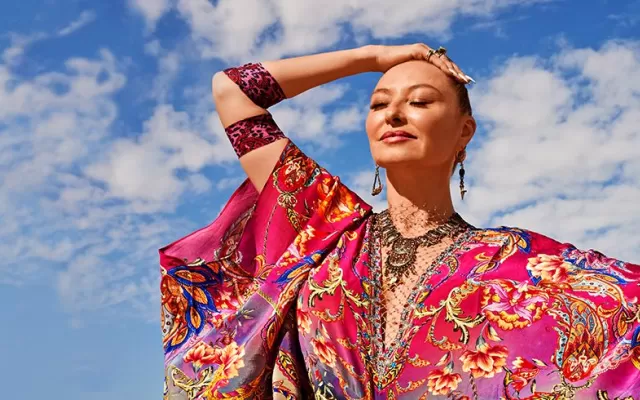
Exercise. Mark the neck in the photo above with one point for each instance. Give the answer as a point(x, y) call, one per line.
point(418, 198)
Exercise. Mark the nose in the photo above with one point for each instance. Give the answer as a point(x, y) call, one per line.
point(394, 116)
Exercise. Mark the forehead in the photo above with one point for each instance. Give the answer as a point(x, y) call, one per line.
point(411, 73)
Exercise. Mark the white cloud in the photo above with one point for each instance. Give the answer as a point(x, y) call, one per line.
point(349, 119)
point(56, 118)
point(272, 28)
point(169, 63)
point(151, 10)
point(136, 183)
point(13, 54)
point(560, 154)
point(145, 171)
point(85, 18)
point(153, 171)
point(306, 116)
point(90, 210)
point(57, 222)
point(213, 26)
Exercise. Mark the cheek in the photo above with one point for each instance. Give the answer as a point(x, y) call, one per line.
point(440, 131)
point(372, 124)
point(427, 119)
point(436, 123)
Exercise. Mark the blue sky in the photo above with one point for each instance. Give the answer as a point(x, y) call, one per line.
point(110, 148)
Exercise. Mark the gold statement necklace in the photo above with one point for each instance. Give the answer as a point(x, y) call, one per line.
point(401, 258)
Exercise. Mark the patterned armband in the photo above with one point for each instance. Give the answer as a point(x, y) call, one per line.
point(252, 133)
point(257, 83)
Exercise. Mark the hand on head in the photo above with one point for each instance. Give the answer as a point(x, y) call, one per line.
point(390, 56)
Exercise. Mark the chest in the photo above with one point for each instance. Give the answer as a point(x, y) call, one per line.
point(463, 329)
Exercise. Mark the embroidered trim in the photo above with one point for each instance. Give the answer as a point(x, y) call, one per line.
point(388, 361)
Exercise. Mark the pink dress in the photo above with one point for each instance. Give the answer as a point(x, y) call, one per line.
point(278, 298)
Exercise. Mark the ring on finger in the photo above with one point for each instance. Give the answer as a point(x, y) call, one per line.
point(430, 53)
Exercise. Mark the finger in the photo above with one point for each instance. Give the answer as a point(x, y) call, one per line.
point(461, 72)
point(445, 66)
point(428, 55)
point(454, 69)
point(422, 51)
point(443, 62)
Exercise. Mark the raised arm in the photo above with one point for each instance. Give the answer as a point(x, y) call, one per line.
point(243, 94)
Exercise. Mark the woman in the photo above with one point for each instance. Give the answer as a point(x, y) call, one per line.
point(298, 290)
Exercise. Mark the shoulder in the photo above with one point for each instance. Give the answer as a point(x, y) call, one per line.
point(527, 241)
point(299, 179)
point(535, 248)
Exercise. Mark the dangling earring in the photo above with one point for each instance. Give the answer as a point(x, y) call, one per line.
point(461, 157)
point(376, 180)
point(462, 189)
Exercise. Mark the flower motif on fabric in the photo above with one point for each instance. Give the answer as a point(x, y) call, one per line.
point(509, 241)
point(322, 347)
point(295, 173)
point(523, 374)
point(485, 361)
point(335, 205)
point(603, 395)
point(549, 268)
point(186, 300)
point(513, 305)
point(230, 360)
point(201, 354)
point(304, 321)
point(443, 381)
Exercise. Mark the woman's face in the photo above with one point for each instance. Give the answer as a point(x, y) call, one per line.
point(417, 100)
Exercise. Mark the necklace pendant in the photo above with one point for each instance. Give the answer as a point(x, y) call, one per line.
point(402, 251)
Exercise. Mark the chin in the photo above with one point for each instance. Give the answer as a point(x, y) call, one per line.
point(398, 156)
point(399, 160)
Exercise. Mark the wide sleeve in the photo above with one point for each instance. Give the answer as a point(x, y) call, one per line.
point(600, 314)
point(228, 289)
point(584, 306)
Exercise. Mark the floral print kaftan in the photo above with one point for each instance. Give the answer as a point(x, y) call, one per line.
point(278, 298)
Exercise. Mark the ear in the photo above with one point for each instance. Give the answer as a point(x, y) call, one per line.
point(467, 130)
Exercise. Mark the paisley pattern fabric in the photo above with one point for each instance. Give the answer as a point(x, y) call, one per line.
point(257, 83)
point(252, 133)
point(278, 298)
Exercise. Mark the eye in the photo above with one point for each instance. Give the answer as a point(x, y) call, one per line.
point(419, 103)
point(376, 106)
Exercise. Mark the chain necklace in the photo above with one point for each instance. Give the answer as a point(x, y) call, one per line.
point(402, 255)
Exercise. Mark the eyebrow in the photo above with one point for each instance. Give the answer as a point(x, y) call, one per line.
point(411, 88)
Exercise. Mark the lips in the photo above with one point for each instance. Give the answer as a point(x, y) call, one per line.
point(404, 134)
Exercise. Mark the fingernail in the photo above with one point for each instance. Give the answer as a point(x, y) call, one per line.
point(470, 78)
point(457, 74)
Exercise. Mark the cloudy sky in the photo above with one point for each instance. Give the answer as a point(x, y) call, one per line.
point(110, 148)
